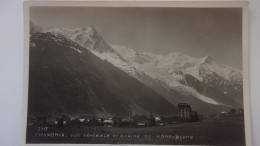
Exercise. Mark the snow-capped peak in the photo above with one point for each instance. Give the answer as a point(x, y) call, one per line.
point(84, 31)
point(208, 64)
point(198, 67)
point(179, 58)
point(87, 37)
point(207, 59)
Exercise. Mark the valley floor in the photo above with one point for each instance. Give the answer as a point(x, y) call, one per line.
point(212, 131)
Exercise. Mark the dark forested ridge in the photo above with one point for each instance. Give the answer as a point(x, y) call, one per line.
point(65, 78)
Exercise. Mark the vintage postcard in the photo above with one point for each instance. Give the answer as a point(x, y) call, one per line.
point(142, 73)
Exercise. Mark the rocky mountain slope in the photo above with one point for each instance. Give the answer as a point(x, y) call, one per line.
point(200, 82)
point(65, 78)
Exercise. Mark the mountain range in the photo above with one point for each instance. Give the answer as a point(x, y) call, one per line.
point(209, 87)
point(65, 78)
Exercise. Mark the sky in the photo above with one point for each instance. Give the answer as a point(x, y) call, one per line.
point(196, 32)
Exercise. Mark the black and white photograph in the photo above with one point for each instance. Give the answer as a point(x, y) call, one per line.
point(135, 74)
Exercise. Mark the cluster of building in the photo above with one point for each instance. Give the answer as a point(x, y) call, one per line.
point(232, 112)
point(116, 121)
point(184, 114)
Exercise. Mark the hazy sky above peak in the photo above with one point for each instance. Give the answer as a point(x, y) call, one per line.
point(196, 32)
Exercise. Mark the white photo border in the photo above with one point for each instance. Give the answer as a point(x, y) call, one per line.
point(175, 4)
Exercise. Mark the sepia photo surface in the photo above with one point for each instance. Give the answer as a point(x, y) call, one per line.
point(154, 73)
